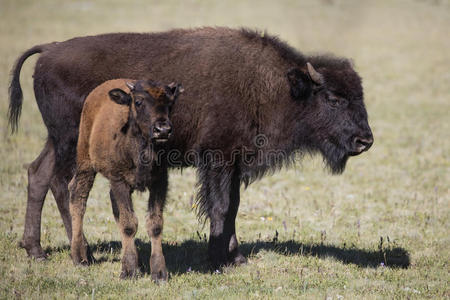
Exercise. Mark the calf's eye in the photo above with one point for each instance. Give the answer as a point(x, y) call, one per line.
point(138, 101)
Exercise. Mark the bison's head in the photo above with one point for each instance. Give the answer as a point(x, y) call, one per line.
point(150, 104)
point(333, 118)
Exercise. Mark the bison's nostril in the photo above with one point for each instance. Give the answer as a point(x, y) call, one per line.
point(362, 144)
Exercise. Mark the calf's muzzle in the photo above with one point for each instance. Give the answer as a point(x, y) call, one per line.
point(162, 130)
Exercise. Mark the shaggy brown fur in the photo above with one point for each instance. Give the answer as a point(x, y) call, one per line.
point(118, 126)
point(242, 87)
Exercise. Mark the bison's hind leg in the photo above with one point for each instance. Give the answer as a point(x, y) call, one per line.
point(40, 173)
point(79, 188)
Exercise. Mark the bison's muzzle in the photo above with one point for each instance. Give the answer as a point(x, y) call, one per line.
point(361, 144)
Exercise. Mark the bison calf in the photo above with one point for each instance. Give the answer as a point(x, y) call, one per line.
point(123, 125)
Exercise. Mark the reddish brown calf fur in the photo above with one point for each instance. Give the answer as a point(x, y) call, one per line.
point(113, 135)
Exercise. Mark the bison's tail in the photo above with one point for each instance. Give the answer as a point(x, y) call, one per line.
point(15, 90)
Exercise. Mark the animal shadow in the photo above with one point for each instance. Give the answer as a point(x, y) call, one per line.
point(192, 255)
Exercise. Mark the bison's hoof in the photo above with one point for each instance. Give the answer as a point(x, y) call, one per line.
point(238, 260)
point(160, 276)
point(34, 252)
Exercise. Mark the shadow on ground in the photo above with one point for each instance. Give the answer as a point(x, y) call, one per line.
point(192, 255)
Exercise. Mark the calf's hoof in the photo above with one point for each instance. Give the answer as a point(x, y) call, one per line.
point(160, 276)
point(129, 266)
point(128, 274)
point(77, 261)
point(81, 256)
point(158, 269)
point(33, 251)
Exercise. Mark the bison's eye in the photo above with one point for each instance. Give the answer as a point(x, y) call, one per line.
point(335, 101)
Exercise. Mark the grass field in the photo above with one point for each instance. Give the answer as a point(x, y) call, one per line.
point(380, 230)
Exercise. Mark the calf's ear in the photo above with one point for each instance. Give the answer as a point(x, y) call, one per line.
point(119, 96)
point(300, 84)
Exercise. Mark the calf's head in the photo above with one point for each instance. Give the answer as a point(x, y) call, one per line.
point(149, 105)
point(333, 118)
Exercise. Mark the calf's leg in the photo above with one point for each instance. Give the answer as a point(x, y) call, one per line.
point(79, 188)
point(40, 173)
point(128, 223)
point(155, 222)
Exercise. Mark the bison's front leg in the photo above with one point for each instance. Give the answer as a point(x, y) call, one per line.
point(220, 196)
point(155, 222)
point(128, 223)
point(79, 188)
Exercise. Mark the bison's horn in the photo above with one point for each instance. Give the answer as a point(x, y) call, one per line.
point(176, 88)
point(130, 85)
point(315, 76)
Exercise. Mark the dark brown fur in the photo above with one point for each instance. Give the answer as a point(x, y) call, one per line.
point(241, 85)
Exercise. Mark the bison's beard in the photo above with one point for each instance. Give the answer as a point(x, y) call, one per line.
point(335, 157)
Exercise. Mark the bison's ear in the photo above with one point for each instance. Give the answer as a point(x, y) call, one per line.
point(174, 90)
point(300, 83)
point(120, 97)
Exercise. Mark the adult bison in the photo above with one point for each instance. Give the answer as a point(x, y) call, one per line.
point(242, 87)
